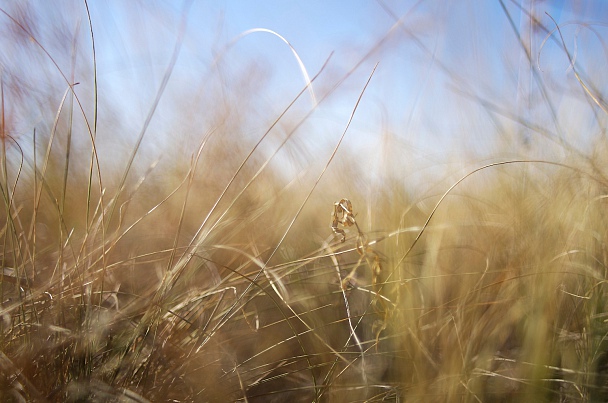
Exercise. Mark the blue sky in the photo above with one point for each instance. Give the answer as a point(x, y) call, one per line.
point(435, 68)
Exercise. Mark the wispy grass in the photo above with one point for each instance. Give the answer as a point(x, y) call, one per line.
point(206, 275)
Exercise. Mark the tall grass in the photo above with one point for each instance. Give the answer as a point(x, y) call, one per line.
point(211, 273)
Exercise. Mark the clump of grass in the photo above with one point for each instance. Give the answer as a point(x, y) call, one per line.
point(174, 281)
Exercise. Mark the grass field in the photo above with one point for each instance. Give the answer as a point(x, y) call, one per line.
point(223, 260)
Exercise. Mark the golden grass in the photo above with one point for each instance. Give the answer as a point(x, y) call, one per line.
point(207, 276)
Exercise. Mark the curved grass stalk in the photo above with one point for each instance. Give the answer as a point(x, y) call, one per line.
point(595, 99)
point(303, 70)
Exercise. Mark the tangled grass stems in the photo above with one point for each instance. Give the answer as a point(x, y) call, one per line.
point(166, 283)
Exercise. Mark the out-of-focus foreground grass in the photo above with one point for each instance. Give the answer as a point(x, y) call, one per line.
point(211, 273)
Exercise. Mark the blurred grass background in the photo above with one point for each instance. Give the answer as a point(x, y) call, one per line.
point(166, 223)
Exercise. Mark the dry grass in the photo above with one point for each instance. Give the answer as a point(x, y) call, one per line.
point(208, 275)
